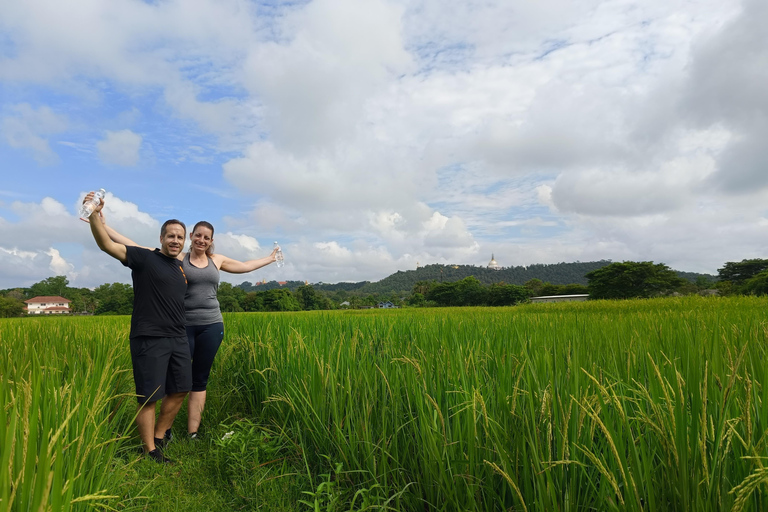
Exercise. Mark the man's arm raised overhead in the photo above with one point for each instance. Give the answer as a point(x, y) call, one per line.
point(101, 236)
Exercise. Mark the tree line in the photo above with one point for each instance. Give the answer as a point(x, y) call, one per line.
point(619, 280)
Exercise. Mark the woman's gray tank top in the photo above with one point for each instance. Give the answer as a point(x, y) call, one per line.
point(200, 303)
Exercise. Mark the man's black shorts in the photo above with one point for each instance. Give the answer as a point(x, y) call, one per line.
point(161, 366)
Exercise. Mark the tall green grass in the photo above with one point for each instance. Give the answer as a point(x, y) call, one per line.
point(62, 413)
point(646, 405)
point(656, 405)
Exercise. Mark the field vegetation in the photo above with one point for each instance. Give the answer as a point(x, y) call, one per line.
point(653, 405)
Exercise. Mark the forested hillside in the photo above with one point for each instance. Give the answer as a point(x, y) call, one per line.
point(402, 282)
point(556, 273)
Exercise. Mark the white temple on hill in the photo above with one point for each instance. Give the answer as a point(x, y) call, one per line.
point(492, 264)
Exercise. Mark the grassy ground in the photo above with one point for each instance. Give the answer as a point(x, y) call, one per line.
point(211, 474)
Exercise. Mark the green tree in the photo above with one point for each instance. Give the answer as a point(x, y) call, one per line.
point(757, 285)
point(632, 279)
point(416, 299)
point(230, 298)
point(575, 289)
point(253, 301)
point(16, 293)
point(467, 292)
point(535, 286)
point(507, 294)
point(280, 300)
point(310, 299)
point(114, 299)
point(738, 272)
point(10, 307)
point(51, 286)
point(423, 287)
point(551, 289)
point(83, 300)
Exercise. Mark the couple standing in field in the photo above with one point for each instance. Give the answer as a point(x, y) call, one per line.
point(176, 325)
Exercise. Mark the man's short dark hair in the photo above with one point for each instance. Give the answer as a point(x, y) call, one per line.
point(172, 221)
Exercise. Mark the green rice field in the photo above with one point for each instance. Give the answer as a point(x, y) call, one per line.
point(653, 405)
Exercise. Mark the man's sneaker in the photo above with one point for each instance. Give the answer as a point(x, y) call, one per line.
point(163, 442)
point(194, 436)
point(157, 456)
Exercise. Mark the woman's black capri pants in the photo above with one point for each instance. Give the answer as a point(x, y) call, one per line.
point(204, 342)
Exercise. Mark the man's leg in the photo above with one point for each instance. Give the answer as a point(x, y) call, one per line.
point(145, 421)
point(169, 408)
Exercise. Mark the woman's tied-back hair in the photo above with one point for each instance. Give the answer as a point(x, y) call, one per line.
point(205, 224)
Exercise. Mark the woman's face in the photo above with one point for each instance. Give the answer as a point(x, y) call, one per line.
point(202, 238)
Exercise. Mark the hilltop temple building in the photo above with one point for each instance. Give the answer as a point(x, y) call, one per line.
point(492, 264)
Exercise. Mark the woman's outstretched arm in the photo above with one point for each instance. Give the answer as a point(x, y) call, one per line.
point(241, 267)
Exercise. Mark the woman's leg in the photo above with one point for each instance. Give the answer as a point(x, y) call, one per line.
point(207, 341)
point(195, 407)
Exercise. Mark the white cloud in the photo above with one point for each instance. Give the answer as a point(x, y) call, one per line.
point(137, 45)
point(27, 128)
point(120, 148)
point(392, 132)
point(336, 55)
point(725, 87)
point(43, 241)
point(239, 247)
point(59, 265)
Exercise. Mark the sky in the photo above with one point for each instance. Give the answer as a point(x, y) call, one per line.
point(371, 136)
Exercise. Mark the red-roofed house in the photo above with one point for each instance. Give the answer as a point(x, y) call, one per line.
point(47, 305)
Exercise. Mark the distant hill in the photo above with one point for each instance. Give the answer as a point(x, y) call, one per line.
point(403, 281)
point(556, 273)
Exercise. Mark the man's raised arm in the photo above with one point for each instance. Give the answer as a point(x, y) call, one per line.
point(101, 236)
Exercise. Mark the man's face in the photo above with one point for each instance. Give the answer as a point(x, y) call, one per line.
point(172, 242)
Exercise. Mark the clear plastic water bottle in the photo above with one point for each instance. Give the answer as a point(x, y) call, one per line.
point(87, 208)
point(279, 256)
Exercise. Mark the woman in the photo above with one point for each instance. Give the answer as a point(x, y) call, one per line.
point(205, 325)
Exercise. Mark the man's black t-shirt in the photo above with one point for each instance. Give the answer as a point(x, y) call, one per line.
point(159, 286)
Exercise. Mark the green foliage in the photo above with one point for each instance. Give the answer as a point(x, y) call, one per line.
point(416, 299)
point(500, 294)
point(629, 406)
point(247, 286)
point(245, 446)
point(535, 286)
point(51, 286)
point(63, 413)
point(470, 292)
point(739, 272)
point(310, 299)
point(280, 300)
point(83, 300)
point(757, 285)
point(632, 280)
point(230, 298)
point(563, 289)
point(558, 273)
point(10, 307)
point(625, 405)
point(253, 301)
point(114, 299)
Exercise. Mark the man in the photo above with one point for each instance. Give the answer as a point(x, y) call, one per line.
point(159, 349)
